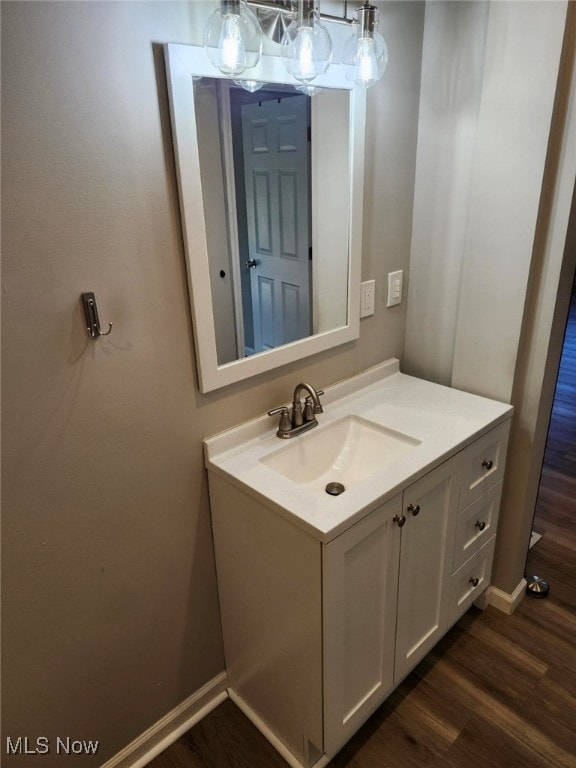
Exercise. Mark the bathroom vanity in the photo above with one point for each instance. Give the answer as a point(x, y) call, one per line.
point(329, 601)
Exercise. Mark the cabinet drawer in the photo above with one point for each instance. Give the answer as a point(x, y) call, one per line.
point(483, 464)
point(471, 580)
point(476, 524)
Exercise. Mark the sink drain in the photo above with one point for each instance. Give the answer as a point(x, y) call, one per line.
point(335, 489)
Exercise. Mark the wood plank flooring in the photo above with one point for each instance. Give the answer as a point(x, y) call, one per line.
point(497, 692)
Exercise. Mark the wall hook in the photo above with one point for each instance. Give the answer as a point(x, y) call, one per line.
point(92, 319)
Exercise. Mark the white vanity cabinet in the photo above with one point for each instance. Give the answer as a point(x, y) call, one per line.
point(396, 581)
point(386, 592)
point(320, 625)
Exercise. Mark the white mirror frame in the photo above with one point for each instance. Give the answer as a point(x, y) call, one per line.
point(182, 63)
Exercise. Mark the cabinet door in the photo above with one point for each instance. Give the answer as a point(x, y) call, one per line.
point(360, 580)
point(431, 509)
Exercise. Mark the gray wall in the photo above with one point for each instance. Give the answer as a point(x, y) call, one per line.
point(110, 603)
point(495, 173)
point(485, 116)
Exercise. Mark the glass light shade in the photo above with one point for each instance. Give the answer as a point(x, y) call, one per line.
point(365, 58)
point(249, 85)
point(232, 38)
point(306, 49)
point(309, 90)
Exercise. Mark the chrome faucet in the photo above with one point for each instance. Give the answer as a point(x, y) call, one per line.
point(299, 420)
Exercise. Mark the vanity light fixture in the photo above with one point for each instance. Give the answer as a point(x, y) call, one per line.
point(233, 39)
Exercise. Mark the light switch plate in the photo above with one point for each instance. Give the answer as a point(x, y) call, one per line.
point(394, 288)
point(367, 297)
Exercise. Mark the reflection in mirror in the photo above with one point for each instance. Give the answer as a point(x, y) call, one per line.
point(270, 185)
point(278, 271)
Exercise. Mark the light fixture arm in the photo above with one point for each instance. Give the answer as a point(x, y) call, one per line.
point(288, 10)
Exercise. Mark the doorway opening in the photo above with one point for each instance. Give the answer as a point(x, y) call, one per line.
point(554, 526)
point(266, 139)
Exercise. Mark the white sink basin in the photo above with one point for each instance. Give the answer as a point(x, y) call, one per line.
point(346, 452)
point(366, 440)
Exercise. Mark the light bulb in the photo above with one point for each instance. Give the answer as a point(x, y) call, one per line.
point(365, 53)
point(306, 46)
point(232, 37)
point(367, 66)
point(305, 67)
point(231, 49)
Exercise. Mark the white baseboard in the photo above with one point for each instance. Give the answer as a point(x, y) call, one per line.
point(168, 729)
point(505, 602)
point(271, 737)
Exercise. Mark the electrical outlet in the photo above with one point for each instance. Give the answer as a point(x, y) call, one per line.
point(367, 297)
point(394, 288)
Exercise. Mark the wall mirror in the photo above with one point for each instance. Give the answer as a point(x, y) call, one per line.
point(270, 186)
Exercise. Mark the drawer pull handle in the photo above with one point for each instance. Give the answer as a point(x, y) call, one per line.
point(474, 581)
point(400, 519)
point(414, 508)
point(487, 463)
point(480, 525)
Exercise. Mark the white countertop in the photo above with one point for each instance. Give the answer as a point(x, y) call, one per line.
point(445, 420)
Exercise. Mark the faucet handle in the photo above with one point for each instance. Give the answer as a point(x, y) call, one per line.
point(297, 415)
point(309, 410)
point(285, 424)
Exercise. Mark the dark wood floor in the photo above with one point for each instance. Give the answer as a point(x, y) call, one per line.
point(497, 692)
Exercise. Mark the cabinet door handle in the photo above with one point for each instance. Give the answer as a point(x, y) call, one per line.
point(414, 508)
point(480, 525)
point(487, 463)
point(400, 519)
point(474, 581)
